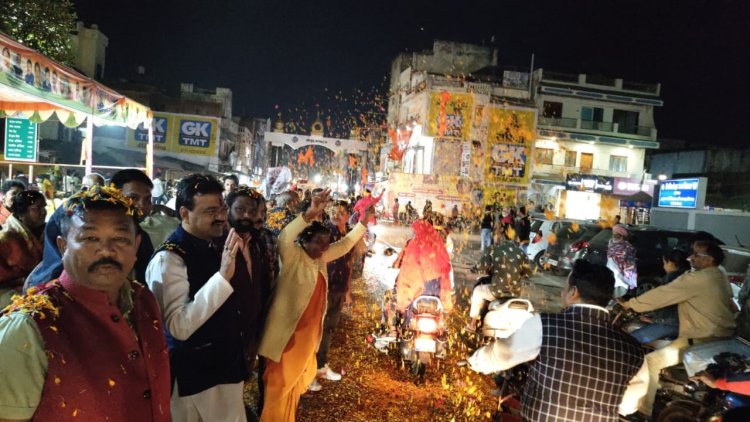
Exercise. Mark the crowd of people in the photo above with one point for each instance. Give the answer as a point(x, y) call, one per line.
point(121, 308)
point(118, 309)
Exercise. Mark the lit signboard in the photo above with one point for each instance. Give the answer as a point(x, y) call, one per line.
point(683, 193)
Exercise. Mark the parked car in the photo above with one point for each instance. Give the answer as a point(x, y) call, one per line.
point(651, 244)
point(570, 244)
point(539, 238)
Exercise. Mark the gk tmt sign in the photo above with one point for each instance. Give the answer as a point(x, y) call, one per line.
point(195, 133)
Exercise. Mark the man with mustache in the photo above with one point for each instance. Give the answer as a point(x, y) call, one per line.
point(192, 277)
point(88, 345)
point(256, 268)
point(51, 265)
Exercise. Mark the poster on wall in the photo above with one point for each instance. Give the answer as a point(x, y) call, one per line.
point(683, 193)
point(509, 143)
point(450, 115)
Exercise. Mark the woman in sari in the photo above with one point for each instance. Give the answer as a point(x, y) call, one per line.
point(295, 320)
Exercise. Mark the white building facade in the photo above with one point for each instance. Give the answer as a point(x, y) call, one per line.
point(591, 129)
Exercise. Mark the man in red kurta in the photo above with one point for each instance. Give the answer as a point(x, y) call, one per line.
point(89, 345)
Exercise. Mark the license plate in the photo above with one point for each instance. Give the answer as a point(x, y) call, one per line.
point(425, 345)
point(552, 262)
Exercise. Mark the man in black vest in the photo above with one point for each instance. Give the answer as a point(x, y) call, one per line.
point(191, 277)
point(581, 367)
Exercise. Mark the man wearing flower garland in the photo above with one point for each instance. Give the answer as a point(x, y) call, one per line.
point(53, 365)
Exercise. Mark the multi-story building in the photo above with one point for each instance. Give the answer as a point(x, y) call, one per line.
point(201, 101)
point(89, 50)
point(461, 128)
point(593, 134)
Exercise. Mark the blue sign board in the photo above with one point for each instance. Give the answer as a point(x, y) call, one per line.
point(680, 193)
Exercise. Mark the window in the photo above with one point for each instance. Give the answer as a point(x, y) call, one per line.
point(618, 163)
point(626, 120)
point(552, 109)
point(544, 155)
point(570, 158)
point(592, 114)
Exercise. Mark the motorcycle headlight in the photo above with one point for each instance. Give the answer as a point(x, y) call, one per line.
point(426, 325)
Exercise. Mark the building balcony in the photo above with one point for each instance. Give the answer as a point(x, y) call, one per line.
point(598, 81)
point(560, 171)
point(598, 128)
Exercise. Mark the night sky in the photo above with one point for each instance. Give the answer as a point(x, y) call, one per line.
point(295, 54)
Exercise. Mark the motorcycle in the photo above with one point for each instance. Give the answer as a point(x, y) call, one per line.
point(629, 321)
point(680, 398)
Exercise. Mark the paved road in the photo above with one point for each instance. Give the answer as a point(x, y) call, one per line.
point(543, 291)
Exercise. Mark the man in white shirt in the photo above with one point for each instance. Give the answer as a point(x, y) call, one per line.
point(580, 366)
point(190, 275)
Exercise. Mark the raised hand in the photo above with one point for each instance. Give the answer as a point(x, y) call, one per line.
point(318, 205)
point(229, 255)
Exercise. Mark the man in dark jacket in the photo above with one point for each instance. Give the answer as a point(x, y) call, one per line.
point(192, 277)
point(580, 366)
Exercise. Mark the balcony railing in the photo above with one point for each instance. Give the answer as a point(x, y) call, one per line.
point(636, 130)
point(572, 123)
point(592, 125)
point(560, 77)
point(640, 87)
point(558, 121)
point(557, 169)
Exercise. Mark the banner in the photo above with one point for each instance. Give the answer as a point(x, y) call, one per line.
point(450, 115)
point(509, 144)
point(50, 84)
point(179, 133)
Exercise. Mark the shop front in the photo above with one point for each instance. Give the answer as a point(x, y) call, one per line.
point(587, 197)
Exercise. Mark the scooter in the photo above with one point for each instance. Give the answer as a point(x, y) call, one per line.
point(424, 335)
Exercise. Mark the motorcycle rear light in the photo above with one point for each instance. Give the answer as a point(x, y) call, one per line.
point(427, 325)
point(578, 246)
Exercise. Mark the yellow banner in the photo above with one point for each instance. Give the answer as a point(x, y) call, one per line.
point(509, 145)
point(178, 133)
point(450, 115)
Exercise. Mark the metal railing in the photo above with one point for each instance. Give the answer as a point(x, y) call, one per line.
point(640, 87)
point(635, 130)
point(560, 77)
point(592, 125)
point(558, 121)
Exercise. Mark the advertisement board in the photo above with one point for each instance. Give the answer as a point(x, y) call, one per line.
point(589, 183)
point(509, 145)
point(625, 186)
point(682, 193)
point(179, 133)
point(450, 115)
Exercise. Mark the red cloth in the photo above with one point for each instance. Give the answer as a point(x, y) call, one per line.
point(20, 252)
point(363, 204)
point(738, 386)
point(424, 258)
point(98, 368)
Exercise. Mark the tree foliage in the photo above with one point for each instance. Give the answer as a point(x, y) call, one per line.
point(44, 25)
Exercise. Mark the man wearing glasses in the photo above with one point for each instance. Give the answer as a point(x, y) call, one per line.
point(704, 305)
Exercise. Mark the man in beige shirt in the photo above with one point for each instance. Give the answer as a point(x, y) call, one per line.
point(704, 305)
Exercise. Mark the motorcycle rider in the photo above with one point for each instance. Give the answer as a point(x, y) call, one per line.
point(425, 269)
point(664, 323)
point(705, 308)
point(507, 265)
